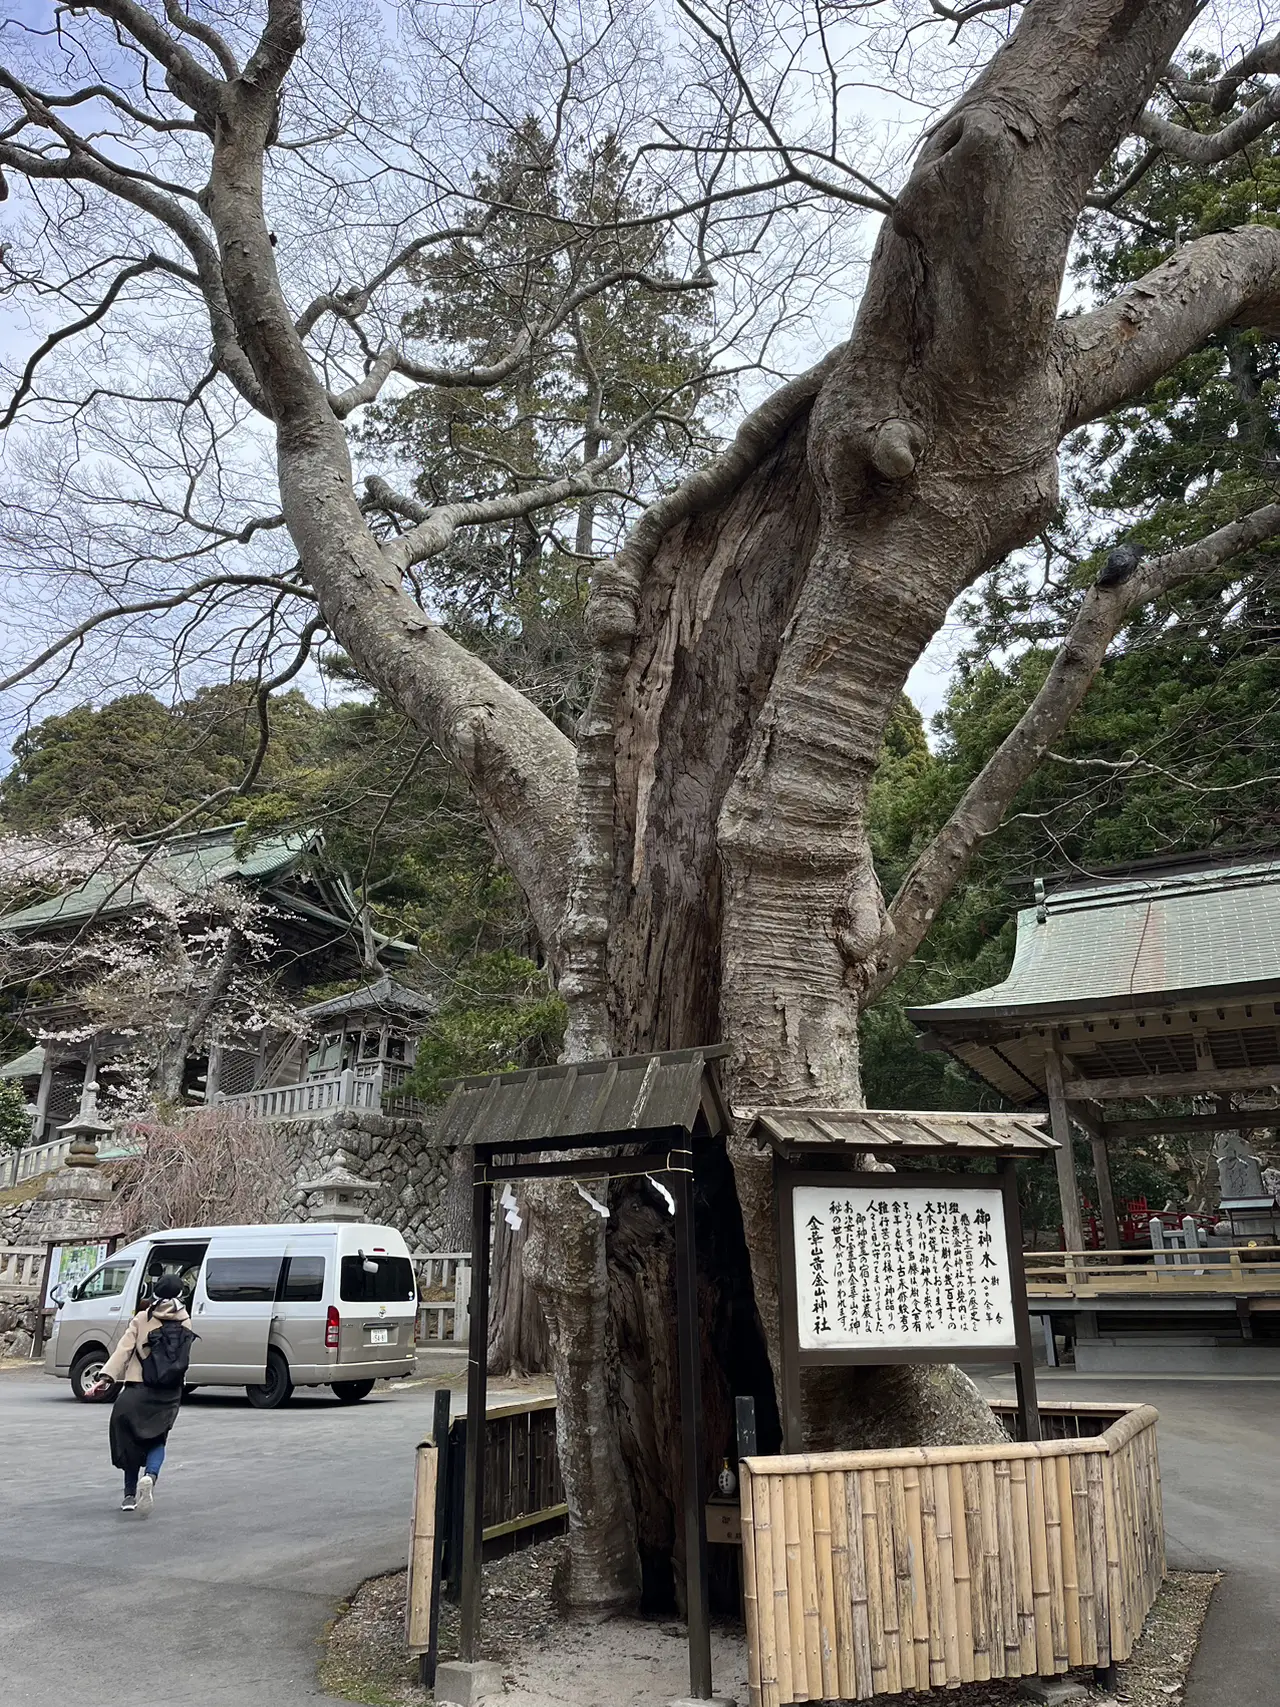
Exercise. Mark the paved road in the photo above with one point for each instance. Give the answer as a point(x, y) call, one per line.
point(263, 1520)
point(1218, 1451)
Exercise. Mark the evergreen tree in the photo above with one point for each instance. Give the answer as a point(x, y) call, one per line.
point(134, 765)
point(631, 353)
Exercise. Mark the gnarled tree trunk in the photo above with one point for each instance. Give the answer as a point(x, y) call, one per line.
point(698, 867)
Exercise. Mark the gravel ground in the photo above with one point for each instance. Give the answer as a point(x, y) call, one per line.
point(366, 1659)
point(551, 1661)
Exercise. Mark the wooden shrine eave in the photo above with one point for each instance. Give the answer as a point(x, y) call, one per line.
point(818, 1132)
point(1183, 1047)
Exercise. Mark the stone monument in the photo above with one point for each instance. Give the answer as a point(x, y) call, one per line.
point(1245, 1198)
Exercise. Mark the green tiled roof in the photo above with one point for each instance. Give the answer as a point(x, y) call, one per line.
point(383, 996)
point(1111, 942)
point(190, 862)
point(28, 1065)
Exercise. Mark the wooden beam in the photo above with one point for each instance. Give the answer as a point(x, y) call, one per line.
point(1177, 1084)
point(1064, 1155)
point(1239, 1120)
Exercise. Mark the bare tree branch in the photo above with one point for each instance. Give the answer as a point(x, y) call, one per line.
point(142, 607)
point(1131, 179)
point(392, 360)
point(1207, 148)
point(1218, 93)
point(1115, 353)
point(184, 75)
point(205, 33)
point(151, 264)
point(980, 812)
point(79, 166)
point(262, 698)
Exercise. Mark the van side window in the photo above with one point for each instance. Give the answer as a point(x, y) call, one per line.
point(109, 1282)
point(391, 1282)
point(302, 1280)
point(241, 1280)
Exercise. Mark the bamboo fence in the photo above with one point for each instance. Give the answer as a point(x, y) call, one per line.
point(868, 1573)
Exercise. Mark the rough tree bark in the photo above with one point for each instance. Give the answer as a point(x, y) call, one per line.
point(518, 1342)
point(699, 866)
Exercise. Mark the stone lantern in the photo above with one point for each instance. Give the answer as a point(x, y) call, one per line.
point(74, 1204)
point(339, 1191)
point(75, 1201)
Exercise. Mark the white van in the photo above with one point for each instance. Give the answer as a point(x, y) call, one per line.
point(299, 1305)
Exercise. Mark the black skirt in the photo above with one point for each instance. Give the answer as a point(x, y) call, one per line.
point(140, 1419)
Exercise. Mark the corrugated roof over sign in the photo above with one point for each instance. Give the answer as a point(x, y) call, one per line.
point(1120, 943)
point(639, 1092)
point(887, 1130)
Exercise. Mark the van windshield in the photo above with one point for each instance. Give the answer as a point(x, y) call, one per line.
point(391, 1284)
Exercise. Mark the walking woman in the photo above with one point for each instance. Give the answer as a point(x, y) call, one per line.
point(146, 1406)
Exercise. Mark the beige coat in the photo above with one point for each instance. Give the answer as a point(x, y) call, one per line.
point(125, 1362)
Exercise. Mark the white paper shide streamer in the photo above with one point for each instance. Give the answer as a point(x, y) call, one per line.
point(508, 1202)
point(663, 1193)
point(600, 1208)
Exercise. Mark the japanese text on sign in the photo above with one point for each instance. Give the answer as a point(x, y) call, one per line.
point(901, 1266)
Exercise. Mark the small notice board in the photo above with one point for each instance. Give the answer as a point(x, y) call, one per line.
point(901, 1267)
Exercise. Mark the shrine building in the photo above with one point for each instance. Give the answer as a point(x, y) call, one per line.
point(1144, 1001)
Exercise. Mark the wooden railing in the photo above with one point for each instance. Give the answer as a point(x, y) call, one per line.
point(20, 1270)
point(356, 1088)
point(869, 1573)
point(444, 1296)
point(1061, 1419)
point(1228, 1271)
point(34, 1159)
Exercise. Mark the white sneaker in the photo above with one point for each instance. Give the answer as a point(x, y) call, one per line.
point(146, 1494)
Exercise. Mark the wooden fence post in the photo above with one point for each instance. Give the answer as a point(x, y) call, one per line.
point(422, 1586)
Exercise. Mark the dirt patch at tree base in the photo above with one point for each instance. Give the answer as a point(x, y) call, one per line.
point(552, 1660)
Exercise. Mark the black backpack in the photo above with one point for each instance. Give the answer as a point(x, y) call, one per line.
point(168, 1355)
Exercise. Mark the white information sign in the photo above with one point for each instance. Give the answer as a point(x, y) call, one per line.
point(901, 1266)
point(67, 1265)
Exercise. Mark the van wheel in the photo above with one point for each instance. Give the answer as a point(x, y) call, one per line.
point(351, 1392)
point(277, 1389)
point(86, 1370)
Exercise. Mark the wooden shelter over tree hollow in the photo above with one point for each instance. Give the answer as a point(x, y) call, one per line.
point(1155, 980)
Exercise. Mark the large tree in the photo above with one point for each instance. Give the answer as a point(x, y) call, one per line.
point(697, 862)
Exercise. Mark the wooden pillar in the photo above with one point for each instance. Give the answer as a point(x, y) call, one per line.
point(42, 1096)
point(1064, 1158)
point(1092, 1125)
point(213, 1072)
point(1106, 1197)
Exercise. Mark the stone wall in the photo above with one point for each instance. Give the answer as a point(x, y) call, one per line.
point(410, 1172)
point(17, 1327)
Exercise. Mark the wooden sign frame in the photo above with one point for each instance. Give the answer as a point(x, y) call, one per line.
point(788, 1175)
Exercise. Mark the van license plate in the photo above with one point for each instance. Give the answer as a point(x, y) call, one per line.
point(379, 1336)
